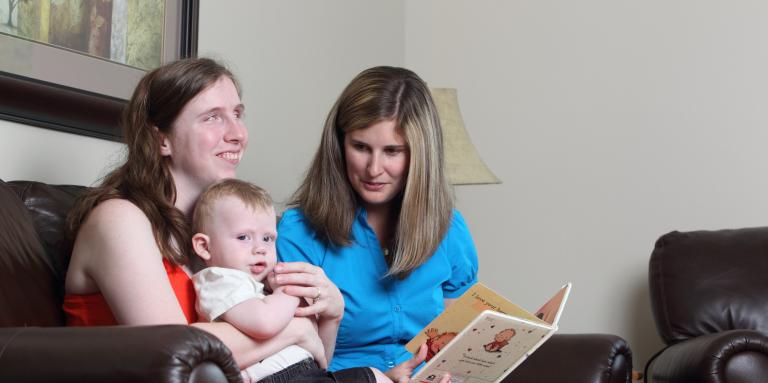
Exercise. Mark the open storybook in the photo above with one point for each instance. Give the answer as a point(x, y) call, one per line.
point(482, 336)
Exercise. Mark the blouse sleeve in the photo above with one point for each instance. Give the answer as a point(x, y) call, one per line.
point(462, 256)
point(296, 241)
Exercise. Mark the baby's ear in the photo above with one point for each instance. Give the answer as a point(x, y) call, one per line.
point(200, 243)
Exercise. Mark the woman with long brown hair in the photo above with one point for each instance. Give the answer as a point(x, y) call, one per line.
point(131, 261)
point(372, 236)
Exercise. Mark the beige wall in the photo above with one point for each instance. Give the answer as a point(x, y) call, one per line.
point(31, 153)
point(293, 58)
point(610, 122)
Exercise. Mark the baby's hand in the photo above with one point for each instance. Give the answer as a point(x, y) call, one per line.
point(269, 282)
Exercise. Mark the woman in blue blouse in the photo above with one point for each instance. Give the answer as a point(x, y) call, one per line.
point(372, 237)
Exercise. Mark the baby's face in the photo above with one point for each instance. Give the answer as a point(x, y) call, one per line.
point(505, 335)
point(242, 238)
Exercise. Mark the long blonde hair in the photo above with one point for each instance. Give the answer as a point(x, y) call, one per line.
point(145, 178)
point(425, 207)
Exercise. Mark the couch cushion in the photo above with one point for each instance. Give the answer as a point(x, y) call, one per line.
point(48, 206)
point(28, 293)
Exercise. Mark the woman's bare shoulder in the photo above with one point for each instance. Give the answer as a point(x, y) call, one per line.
point(114, 226)
point(115, 211)
point(116, 206)
point(116, 235)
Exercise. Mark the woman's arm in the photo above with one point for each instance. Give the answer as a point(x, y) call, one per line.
point(304, 280)
point(115, 253)
point(328, 329)
point(247, 351)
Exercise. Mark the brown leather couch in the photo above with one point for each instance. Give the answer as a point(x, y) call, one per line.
point(709, 294)
point(35, 347)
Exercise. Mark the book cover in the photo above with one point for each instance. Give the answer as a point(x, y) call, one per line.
point(482, 336)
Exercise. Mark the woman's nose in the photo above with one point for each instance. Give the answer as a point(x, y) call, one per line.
point(374, 165)
point(236, 132)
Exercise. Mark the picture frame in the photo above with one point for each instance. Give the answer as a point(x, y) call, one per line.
point(78, 93)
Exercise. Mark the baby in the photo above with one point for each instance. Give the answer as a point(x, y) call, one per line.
point(236, 228)
point(235, 236)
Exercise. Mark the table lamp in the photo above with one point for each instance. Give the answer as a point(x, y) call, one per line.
point(463, 163)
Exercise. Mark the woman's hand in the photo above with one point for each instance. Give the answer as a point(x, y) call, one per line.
point(403, 371)
point(304, 280)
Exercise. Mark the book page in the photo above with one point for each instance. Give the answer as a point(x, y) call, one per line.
point(485, 351)
point(459, 314)
point(550, 311)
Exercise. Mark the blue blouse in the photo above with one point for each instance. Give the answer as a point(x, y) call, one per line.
point(381, 314)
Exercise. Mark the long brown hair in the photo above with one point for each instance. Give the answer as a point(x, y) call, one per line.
point(326, 196)
point(145, 178)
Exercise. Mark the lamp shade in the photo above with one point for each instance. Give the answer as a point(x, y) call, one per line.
point(463, 163)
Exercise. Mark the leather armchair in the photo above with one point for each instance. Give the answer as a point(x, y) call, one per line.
point(709, 295)
point(35, 347)
point(582, 358)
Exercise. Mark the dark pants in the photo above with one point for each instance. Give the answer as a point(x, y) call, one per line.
point(307, 371)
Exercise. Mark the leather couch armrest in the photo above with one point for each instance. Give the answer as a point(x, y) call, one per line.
point(597, 358)
point(167, 353)
point(728, 356)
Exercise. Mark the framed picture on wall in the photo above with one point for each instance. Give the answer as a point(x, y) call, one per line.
point(70, 65)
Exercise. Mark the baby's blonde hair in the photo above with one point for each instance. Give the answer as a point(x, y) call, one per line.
point(253, 197)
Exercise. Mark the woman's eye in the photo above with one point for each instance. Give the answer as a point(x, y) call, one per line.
point(392, 151)
point(243, 237)
point(212, 117)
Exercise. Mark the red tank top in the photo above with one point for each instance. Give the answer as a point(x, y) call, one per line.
point(93, 310)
